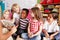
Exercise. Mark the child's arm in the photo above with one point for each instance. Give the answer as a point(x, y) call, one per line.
point(55, 33)
point(46, 33)
point(52, 35)
point(29, 29)
point(29, 33)
point(13, 20)
point(56, 29)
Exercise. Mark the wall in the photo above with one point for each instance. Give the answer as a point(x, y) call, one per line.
point(23, 3)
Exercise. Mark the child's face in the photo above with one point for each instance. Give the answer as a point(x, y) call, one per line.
point(16, 9)
point(6, 15)
point(23, 14)
point(32, 14)
point(49, 17)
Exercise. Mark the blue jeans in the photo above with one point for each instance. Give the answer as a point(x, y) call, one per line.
point(35, 38)
point(57, 37)
point(24, 36)
point(42, 35)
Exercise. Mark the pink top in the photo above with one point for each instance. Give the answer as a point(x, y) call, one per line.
point(29, 15)
point(11, 15)
point(34, 26)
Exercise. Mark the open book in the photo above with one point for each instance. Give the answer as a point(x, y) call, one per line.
point(7, 23)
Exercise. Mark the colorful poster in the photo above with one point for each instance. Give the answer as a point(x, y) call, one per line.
point(0, 11)
point(2, 6)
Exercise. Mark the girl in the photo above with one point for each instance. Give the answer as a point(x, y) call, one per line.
point(35, 25)
point(16, 16)
point(16, 12)
point(6, 26)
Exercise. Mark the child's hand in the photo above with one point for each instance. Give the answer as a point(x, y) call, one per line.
point(51, 37)
point(47, 36)
point(30, 34)
point(16, 26)
point(13, 30)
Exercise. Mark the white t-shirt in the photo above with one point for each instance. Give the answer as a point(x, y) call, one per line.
point(53, 27)
point(15, 15)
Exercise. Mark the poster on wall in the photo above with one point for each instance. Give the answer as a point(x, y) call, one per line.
point(22, 3)
point(0, 12)
point(2, 4)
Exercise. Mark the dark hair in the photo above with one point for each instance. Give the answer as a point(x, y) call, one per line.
point(27, 11)
point(55, 15)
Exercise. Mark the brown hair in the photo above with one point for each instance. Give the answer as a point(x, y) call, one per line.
point(54, 15)
point(37, 13)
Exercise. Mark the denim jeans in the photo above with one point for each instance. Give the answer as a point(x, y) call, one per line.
point(42, 35)
point(24, 36)
point(35, 38)
point(57, 37)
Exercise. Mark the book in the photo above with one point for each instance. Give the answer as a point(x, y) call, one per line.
point(7, 23)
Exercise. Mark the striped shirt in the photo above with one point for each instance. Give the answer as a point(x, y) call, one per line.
point(24, 23)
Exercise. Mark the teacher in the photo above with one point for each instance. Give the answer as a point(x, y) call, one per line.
point(7, 35)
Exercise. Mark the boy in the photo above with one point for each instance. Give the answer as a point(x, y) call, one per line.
point(23, 23)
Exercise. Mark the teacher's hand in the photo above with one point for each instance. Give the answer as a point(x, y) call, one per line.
point(14, 29)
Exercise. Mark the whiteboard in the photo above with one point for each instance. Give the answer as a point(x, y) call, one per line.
point(22, 3)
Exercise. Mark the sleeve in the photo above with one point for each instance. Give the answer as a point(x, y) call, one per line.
point(56, 27)
point(14, 15)
point(45, 25)
point(41, 24)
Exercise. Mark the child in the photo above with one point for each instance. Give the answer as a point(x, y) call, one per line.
point(7, 21)
point(7, 24)
point(16, 16)
point(16, 13)
point(51, 28)
point(23, 22)
point(35, 25)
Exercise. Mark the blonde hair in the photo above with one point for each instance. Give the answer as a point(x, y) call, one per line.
point(5, 13)
point(14, 5)
point(37, 13)
point(39, 6)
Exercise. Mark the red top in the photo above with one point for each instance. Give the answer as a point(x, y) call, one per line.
point(34, 26)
